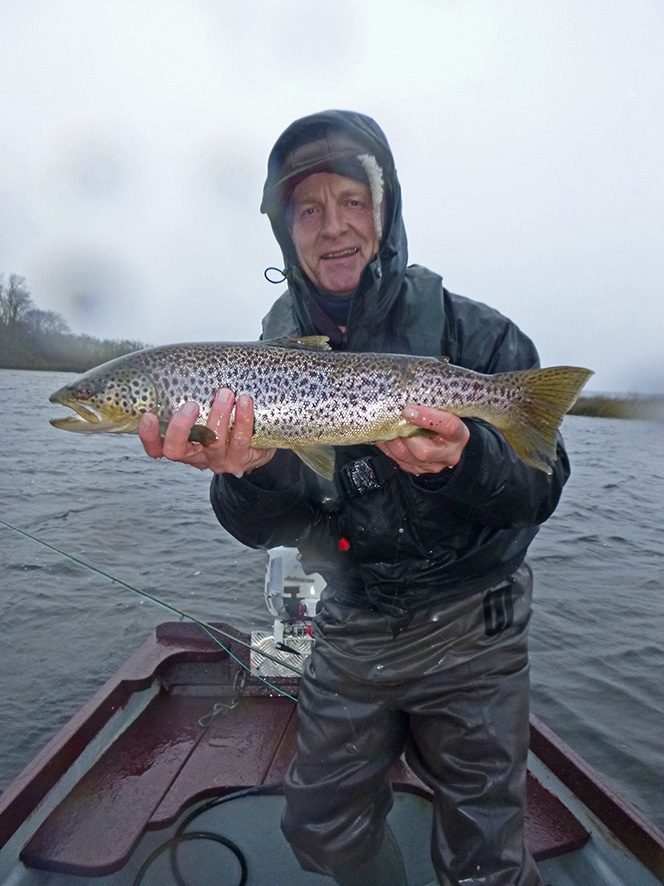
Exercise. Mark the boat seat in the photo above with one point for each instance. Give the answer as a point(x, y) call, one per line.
point(166, 760)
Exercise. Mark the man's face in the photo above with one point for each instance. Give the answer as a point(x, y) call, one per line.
point(333, 231)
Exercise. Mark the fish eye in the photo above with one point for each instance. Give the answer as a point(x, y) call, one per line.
point(84, 392)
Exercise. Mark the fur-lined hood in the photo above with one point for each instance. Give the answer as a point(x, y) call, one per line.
point(349, 144)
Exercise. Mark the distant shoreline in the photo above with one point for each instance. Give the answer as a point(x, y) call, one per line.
point(632, 406)
point(60, 353)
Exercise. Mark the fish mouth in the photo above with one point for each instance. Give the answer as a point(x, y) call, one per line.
point(341, 253)
point(90, 421)
point(87, 415)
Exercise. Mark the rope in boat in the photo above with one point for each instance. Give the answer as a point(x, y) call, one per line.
point(209, 629)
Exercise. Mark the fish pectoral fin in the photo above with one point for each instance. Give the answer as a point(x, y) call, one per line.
point(203, 435)
point(319, 342)
point(317, 457)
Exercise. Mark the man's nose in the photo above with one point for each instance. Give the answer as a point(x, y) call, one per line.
point(334, 221)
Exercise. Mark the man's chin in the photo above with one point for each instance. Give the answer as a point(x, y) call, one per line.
point(342, 286)
point(335, 293)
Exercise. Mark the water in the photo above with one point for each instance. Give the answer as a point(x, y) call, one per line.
point(597, 651)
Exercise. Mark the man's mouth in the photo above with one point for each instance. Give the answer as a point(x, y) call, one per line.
point(342, 253)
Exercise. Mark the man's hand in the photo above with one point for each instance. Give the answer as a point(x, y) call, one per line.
point(229, 454)
point(428, 455)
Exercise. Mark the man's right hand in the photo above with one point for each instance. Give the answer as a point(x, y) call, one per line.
point(229, 454)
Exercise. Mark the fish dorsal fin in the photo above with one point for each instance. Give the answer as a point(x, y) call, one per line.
point(320, 342)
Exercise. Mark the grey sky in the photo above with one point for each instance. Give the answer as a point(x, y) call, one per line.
point(528, 139)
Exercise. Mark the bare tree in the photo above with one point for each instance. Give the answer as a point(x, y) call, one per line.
point(31, 338)
point(15, 300)
point(45, 322)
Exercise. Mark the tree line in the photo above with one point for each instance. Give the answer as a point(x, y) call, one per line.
point(34, 339)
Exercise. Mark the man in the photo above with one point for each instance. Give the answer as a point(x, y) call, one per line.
point(421, 643)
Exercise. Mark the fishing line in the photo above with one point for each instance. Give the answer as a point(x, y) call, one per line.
point(208, 628)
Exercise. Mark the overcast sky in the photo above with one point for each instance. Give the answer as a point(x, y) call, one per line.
point(528, 137)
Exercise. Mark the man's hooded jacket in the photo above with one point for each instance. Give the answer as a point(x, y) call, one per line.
point(381, 537)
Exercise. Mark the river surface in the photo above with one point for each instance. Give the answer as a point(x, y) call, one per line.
point(597, 636)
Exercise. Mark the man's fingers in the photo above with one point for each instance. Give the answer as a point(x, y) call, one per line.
point(243, 425)
point(148, 431)
point(449, 429)
point(396, 449)
point(230, 453)
point(220, 413)
point(176, 438)
point(429, 454)
point(443, 423)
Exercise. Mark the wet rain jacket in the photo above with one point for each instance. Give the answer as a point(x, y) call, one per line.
point(381, 537)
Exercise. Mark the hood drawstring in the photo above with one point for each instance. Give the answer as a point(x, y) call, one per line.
point(284, 275)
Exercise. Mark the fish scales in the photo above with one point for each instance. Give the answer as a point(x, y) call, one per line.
point(298, 395)
point(306, 396)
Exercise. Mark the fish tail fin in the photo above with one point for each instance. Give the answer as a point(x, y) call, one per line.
point(546, 395)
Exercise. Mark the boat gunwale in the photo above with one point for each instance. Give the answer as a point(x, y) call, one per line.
point(630, 826)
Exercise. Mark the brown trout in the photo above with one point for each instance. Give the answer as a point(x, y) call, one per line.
point(308, 398)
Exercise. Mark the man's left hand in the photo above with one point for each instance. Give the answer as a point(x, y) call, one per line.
point(428, 455)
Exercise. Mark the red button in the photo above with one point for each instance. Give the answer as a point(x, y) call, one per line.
point(344, 544)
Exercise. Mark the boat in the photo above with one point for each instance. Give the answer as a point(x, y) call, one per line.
point(171, 774)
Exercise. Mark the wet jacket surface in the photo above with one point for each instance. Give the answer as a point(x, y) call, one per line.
point(398, 543)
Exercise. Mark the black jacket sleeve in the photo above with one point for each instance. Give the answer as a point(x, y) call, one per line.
point(268, 507)
point(493, 487)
